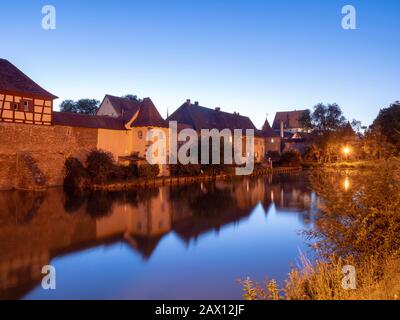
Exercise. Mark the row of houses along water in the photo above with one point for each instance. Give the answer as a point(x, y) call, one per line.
point(30, 125)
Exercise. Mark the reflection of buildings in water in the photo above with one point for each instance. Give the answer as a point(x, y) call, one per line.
point(60, 225)
point(26, 245)
point(142, 225)
point(209, 207)
point(289, 193)
point(35, 228)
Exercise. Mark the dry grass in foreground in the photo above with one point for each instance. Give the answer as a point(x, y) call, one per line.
point(357, 225)
point(323, 281)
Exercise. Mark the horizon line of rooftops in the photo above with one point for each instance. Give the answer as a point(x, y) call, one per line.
point(121, 112)
point(200, 118)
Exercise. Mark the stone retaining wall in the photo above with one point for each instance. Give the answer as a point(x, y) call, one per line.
point(49, 146)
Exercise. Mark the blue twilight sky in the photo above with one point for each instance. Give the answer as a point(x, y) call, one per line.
point(254, 57)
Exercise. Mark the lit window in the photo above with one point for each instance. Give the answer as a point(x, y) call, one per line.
point(272, 140)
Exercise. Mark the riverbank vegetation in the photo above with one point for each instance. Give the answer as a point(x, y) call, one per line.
point(357, 223)
point(330, 138)
point(100, 168)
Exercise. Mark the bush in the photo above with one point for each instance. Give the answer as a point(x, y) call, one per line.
point(126, 172)
point(100, 166)
point(149, 171)
point(76, 175)
point(179, 169)
point(290, 158)
point(274, 156)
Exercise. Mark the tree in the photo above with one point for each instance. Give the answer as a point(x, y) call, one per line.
point(356, 125)
point(84, 106)
point(68, 106)
point(327, 117)
point(305, 120)
point(388, 123)
point(329, 130)
point(132, 97)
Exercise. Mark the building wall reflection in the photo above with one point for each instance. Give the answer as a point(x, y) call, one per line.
point(36, 227)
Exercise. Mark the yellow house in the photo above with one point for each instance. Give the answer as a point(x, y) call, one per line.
point(137, 117)
point(122, 127)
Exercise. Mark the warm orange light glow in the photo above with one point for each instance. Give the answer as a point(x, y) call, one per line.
point(346, 184)
point(346, 150)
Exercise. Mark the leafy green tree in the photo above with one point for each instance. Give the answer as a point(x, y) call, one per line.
point(68, 106)
point(305, 120)
point(388, 123)
point(132, 97)
point(327, 117)
point(84, 106)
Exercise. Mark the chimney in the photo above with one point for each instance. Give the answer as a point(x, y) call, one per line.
point(196, 103)
point(217, 109)
point(188, 101)
point(282, 133)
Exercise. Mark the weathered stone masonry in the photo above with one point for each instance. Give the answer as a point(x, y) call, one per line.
point(49, 146)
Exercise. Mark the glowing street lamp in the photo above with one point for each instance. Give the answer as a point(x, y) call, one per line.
point(346, 151)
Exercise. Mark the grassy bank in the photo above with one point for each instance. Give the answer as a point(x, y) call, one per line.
point(361, 164)
point(359, 226)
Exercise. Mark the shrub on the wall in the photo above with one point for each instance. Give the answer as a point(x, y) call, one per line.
point(290, 158)
point(100, 166)
point(75, 173)
point(126, 172)
point(148, 171)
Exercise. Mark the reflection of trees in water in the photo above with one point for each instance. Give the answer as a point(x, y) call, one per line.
point(360, 218)
point(74, 199)
point(289, 193)
point(100, 203)
point(212, 202)
point(208, 200)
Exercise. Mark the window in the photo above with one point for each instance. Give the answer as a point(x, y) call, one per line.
point(140, 134)
point(26, 105)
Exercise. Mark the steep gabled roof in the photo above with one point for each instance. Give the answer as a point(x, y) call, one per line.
point(290, 119)
point(13, 80)
point(200, 117)
point(149, 116)
point(267, 130)
point(87, 121)
point(124, 107)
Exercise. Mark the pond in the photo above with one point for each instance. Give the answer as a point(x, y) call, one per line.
point(172, 242)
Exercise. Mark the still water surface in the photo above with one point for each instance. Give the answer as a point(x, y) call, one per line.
point(181, 242)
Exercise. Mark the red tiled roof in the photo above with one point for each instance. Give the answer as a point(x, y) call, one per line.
point(149, 116)
point(290, 119)
point(125, 107)
point(87, 121)
point(200, 117)
point(13, 80)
